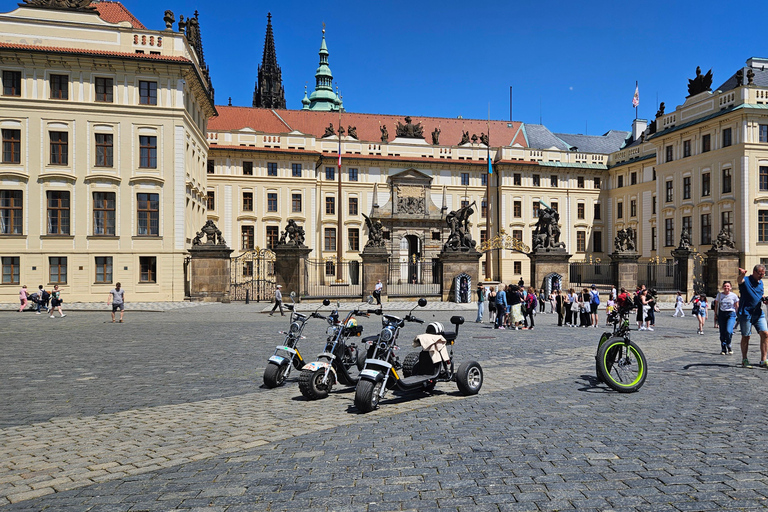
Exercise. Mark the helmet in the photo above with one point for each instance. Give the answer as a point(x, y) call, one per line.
point(435, 328)
point(351, 322)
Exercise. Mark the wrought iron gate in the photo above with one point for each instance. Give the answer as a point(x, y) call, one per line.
point(253, 276)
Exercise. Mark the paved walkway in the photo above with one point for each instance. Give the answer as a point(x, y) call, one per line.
point(166, 412)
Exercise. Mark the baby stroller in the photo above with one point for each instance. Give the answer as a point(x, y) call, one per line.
point(40, 299)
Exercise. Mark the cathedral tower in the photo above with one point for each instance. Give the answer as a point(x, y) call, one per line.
point(269, 87)
point(323, 97)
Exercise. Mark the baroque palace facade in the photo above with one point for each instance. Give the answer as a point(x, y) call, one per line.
point(114, 155)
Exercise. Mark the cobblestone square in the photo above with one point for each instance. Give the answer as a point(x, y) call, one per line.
point(167, 412)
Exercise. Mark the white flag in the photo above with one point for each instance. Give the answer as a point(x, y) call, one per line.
point(636, 98)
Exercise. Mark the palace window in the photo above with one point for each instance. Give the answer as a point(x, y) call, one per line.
point(653, 238)
point(669, 150)
point(247, 237)
point(11, 146)
point(517, 267)
point(726, 221)
point(596, 213)
point(517, 179)
point(581, 241)
point(104, 150)
point(57, 270)
point(104, 88)
point(727, 137)
point(11, 83)
point(484, 179)
point(706, 143)
point(483, 208)
point(11, 270)
point(329, 239)
point(555, 206)
point(148, 151)
point(597, 183)
point(688, 225)
point(271, 168)
point(104, 214)
point(464, 203)
point(597, 241)
point(147, 93)
point(103, 269)
point(296, 170)
point(653, 205)
point(210, 167)
point(211, 200)
point(59, 147)
point(517, 209)
point(686, 148)
point(330, 268)
point(330, 173)
point(59, 87)
point(670, 191)
point(483, 236)
point(247, 201)
point(354, 239)
point(147, 269)
point(330, 205)
point(148, 214)
point(762, 225)
point(633, 178)
point(272, 201)
point(536, 208)
point(763, 133)
point(58, 212)
point(706, 229)
point(726, 181)
point(247, 168)
point(687, 187)
point(580, 182)
point(553, 180)
point(11, 211)
point(763, 178)
point(273, 234)
point(465, 178)
point(619, 181)
point(620, 210)
point(296, 203)
point(633, 208)
point(705, 184)
point(669, 232)
point(580, 211)
point(536, 180)
point(353, 206)
point(352, 173)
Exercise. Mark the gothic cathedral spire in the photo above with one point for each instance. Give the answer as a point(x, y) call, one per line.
point(269, 86)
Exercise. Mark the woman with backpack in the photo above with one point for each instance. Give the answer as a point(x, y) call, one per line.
point(594, 303)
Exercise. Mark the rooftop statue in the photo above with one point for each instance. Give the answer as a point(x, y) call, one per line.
point(384, 133)
point(330, 131)
point(660, 112)
point(436, 136)
point(352, 131)
point(464, 138)
point(80, 5)
point(701, 83)
point(408, 130)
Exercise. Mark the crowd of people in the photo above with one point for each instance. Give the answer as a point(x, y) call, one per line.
point(515, 306)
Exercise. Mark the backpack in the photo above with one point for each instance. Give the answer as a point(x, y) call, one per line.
point(532, 302)
point(595, 299)
point(696, 308)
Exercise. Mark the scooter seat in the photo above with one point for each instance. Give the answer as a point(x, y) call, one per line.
point(370, 338)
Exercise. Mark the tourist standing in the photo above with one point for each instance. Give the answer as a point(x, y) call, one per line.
point(561, 307)
point(531, 303)
point(679, 306)
point(501, 308)
point(117, 299)
point(515, 299)
point(594, 303)
point(480, 303)
point(492, 305)
point(750, 312)
point(585, 310)
point(56, 301)
point(278, 301)
point(377, 292)
point(724, 307)
point(542, 301)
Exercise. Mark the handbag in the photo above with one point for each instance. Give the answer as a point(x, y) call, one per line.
point(574, 307)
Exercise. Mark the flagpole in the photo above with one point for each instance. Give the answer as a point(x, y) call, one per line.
point(340, 239)
point(488, 258)
point(636, 89)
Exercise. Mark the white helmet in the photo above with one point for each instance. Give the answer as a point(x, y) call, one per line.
point(435, 328)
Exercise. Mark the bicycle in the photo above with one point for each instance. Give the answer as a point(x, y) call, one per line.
point(619, 362)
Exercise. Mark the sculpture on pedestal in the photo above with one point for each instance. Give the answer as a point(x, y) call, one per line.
point(625, 240)
point(723, 242)
point(459, 238)
point(685, 240)
point(212, 234)
point(546, 234)
point(375, 233)
point(293, 235)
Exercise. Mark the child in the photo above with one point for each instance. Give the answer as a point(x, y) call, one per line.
point(609, 309)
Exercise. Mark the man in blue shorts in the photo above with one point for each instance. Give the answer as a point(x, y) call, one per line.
point(751, 313)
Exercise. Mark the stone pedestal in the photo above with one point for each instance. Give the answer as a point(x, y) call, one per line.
point(625, 270)
point(375, 267)
point(290, 269)
point(547, 263)
point(722, 265)
point(455, 263)
point(684, 278)
point(210, 273)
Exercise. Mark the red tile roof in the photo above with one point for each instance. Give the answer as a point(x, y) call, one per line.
point(115, 12)
point(93, 52)
point(503, 133)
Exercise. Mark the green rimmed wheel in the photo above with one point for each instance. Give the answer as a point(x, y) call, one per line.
point(622, 365)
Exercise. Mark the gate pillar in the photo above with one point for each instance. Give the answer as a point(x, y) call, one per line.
point(375, 267)
point(544, 264)
point(455, 263)
point(625, 270)
point(209, 275)
point(291, 268)
point(722, 265)
point(684, 277)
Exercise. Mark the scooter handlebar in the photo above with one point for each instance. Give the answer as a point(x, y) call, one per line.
point(317, 315)
point(374, 312)
point(412, 318)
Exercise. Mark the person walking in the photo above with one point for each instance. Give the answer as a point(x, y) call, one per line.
point(531, 303)
point(640, 304)
point(561, 306)
point(679, 305)
point(552, 301)
point(23, 298)
point(480, 303)
point(542, 301)
point(377, 292)
point(56, 302)
point(117, 299)
point(492, 305)
point(501, 308)
point(750, 313)
point(724, 307)
point(278, 301)
point(594, 303)
point(700, 311)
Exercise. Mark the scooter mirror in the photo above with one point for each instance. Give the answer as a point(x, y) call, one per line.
point(326, 302)
point(422, 302)
point(370, 300)
point(293, 295)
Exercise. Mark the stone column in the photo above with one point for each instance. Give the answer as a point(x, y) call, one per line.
point(544, 263)
point(290, 269)
point(455, 263)
point(375, 267)
point(684, 278)
point(625, 270)
point(210, 273)
point(722, 265)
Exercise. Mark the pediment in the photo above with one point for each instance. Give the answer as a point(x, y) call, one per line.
point(411, 176)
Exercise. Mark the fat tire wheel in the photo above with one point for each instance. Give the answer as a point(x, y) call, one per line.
point(298, 363)
point(605, 337)
point(367, 395)
point(622, 366)
point(469, 378)
point(362, 355)
point(275, 374)
point(410, 362)
point(310, 384)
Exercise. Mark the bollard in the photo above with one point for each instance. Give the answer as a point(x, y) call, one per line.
point(247, 301)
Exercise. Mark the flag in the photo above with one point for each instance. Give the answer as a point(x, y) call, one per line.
point(636, 98)
point(339, 154)
point(490, 166)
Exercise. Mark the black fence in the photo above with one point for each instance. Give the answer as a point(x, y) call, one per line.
point(253, 276)
point(662, 276)
point(415, 279)
point(582, 273)
point(323, 280)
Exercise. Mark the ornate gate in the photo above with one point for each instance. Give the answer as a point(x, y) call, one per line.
point(253, 276)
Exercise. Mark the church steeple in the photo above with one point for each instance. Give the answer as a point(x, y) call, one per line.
point(269, 86)
point(323, 97)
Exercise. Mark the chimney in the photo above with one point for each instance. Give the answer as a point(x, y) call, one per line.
point(638, 127)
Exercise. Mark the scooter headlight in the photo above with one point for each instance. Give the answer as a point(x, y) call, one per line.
point(295, 327)
point(331, 331)
point(386, 335)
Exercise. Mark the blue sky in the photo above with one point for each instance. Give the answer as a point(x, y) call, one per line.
point(571, 65)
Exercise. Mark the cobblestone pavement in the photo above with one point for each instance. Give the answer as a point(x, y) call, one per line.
point(167, 412)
